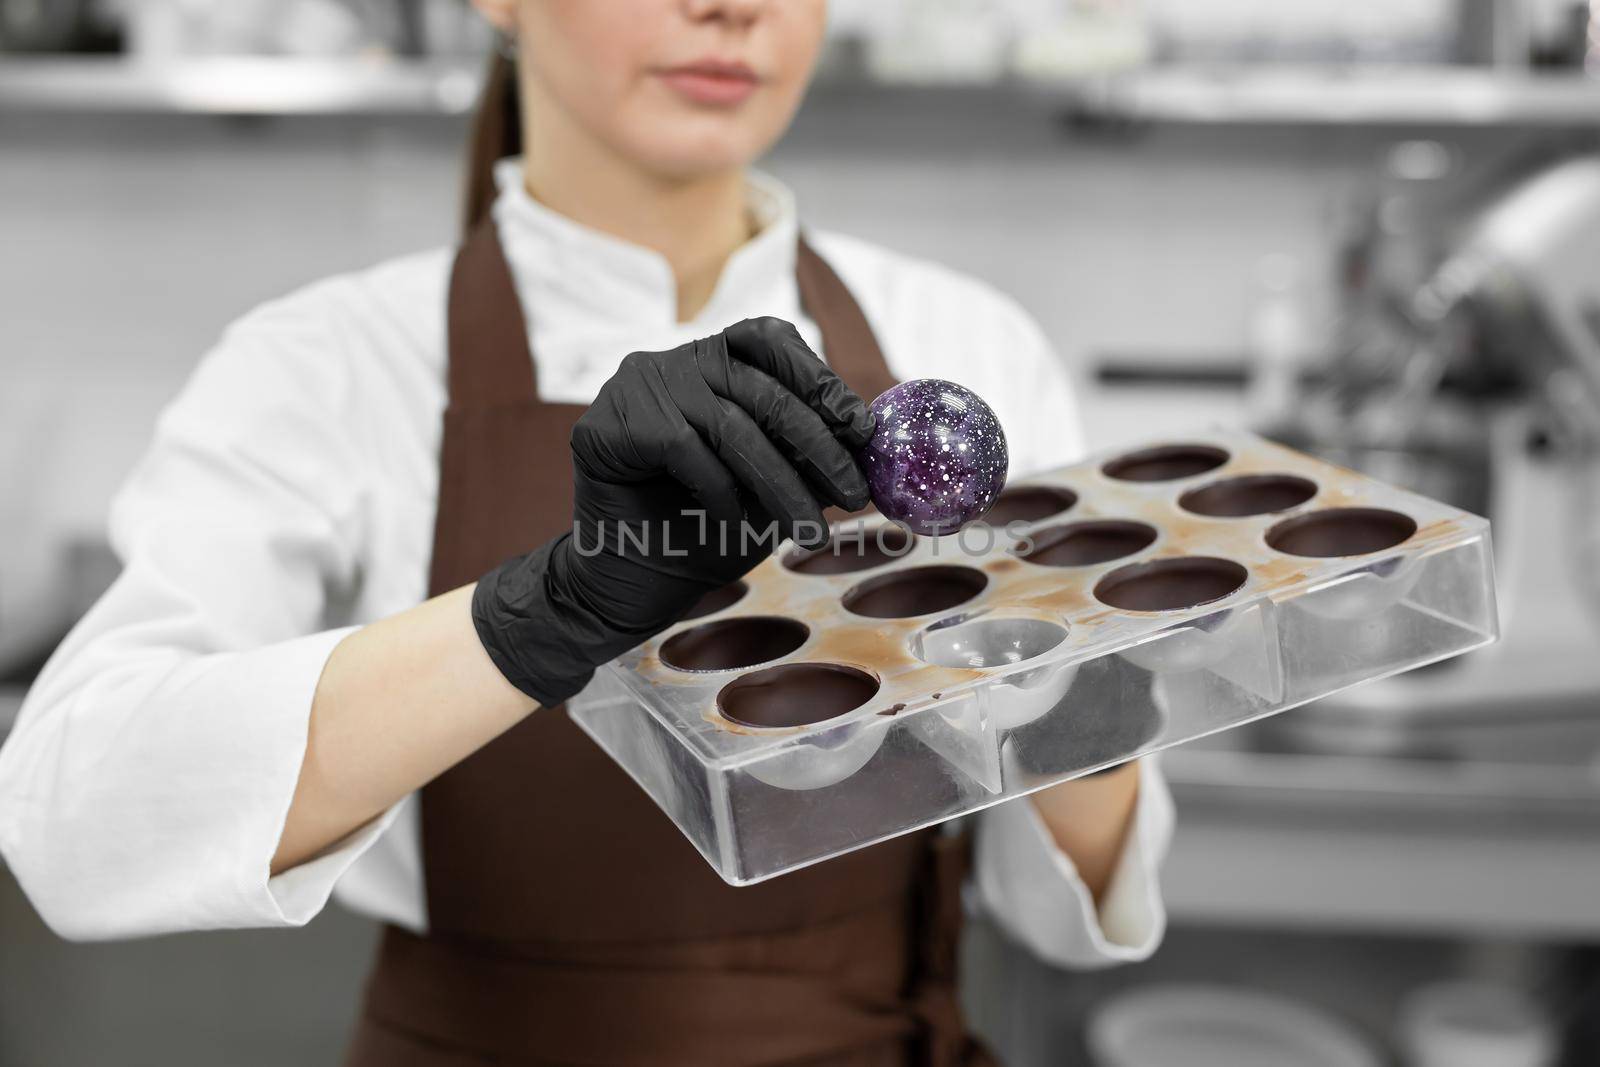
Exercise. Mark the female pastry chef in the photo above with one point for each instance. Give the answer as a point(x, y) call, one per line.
point(318, 672)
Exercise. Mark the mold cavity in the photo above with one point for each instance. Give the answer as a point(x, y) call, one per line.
point(918, 591)
point(1029, 503)
point(718, 600)
point(986, 641)
point(1253, 494)
point(795, 694)
point(852, 549)
point(1170, 584)
point(1341, 532)
point(1082, 544)
point(731, 643)
point(1165, 463)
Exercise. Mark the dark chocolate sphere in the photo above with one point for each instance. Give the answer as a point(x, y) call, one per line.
point(938, 457)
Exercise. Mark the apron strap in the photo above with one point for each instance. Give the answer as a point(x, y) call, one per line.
point(491, 365)
point(847, 338)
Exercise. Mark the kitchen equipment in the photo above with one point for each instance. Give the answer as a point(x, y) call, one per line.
point(1219, 1026)
point(1495, 407)
point(841, 697)
point(1475, 1024)
point(50, 25)
point(1308, 31)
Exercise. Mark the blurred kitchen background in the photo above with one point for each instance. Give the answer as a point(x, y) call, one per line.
point(1368, 227)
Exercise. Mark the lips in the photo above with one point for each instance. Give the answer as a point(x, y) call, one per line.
point(712, 82)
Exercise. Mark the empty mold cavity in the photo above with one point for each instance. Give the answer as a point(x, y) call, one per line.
point(1252, 494)
point(1341, 532)
point(1083, 544)
point(1165, 463)
point(1170, 584)
point(918, 591)
point(795, 694)
point(981, 641)
point(728, 644)
point(852, 549)
point(718, 600)
point(1029, 503)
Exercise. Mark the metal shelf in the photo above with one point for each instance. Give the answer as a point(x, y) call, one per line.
point(1425, 96)
point(239, 86)
point(1233, 94)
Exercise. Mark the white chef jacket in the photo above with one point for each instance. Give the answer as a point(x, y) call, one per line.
point(289, 496)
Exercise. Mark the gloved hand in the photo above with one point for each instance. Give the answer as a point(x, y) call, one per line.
point(689, 468)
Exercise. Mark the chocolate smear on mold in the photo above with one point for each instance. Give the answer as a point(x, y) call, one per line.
point(1252, 494)
point(1083, 544)
point(852, 549)
point(728, 644)
point(1341, 532)
point(1171, 584)
point(718, 600)
point(795, 694)
point(918, 591)
point(1029, 503)
point(1165, 463)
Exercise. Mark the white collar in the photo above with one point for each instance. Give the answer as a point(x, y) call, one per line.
point(576, 272)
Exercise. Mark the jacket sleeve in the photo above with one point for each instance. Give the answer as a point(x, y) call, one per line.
point(1022, 878)
point(1034, 893)
point(145, 785)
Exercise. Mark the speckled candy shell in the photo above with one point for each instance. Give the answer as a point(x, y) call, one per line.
point(938, 458)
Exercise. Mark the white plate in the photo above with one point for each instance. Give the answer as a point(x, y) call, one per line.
point(1219, 1026)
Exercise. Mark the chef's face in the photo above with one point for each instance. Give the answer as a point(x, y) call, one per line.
point(680, 87)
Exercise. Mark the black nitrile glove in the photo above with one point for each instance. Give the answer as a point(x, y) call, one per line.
point(689, 468)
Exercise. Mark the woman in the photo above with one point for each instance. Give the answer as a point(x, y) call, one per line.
point(229, 736)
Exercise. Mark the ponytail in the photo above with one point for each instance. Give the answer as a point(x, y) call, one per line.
point(496, 134)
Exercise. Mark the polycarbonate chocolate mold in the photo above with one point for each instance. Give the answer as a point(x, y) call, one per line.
point(1144, 598)
point(851, 548)
point(1165, 463)
point(1084, 544)
point(804, 694)
point(1247, 495)
point(1346, 533)
point(1027, 504)
point(730, 644)
point(919, 591)
point(1174, 584)
point(718, 600)
point(987, 640)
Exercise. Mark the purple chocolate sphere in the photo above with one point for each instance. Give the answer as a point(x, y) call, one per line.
point(938, 457)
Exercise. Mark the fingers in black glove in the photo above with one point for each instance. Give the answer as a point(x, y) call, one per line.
point(735, 400)
point(657, 413)
point(775, 348)
point(748, 424)
point(799, 431)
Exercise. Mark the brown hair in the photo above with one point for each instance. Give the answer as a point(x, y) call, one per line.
point(496, 134)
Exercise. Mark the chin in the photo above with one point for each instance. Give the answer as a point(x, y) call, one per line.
point(693, 146)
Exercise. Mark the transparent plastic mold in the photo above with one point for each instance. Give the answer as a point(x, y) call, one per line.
point(1127, 604)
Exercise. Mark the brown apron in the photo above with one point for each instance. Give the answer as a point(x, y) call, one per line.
point(570, 922)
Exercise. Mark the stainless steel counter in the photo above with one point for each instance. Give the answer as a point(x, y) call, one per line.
point(1481, 845)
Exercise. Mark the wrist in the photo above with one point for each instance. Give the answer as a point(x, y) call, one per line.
point(531, 627)
point(1089, 819)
